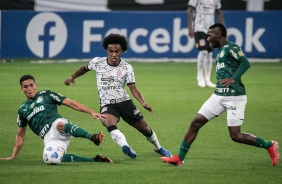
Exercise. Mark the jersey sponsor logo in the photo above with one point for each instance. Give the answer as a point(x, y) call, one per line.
point(240, 53)
point(18, 120)
point(44, 130)
point(114, 87)
point(221, 54)
point(55, 97)
point(219, 66)
point(234, 54)
point(41, 92)
point(112, 101)
point(136, 112)
point(222, 90)
point(46, 34)
point(35, 111)
point(107, 81)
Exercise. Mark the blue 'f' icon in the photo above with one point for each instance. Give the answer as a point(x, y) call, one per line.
point(46, 38)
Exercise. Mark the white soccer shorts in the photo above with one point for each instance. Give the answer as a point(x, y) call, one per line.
point(57, 138)
point(234, 105)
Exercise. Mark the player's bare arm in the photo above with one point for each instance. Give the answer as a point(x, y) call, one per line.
point(81, 71)
point(19, 141)
point(220, 17)
point(82, 108)
point(190, 12)
point(136, 93)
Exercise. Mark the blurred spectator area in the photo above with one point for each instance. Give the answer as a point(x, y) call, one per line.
point(111, 5)
point(17, 4)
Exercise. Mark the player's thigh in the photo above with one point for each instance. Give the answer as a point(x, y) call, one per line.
point(57, 138)
point(212, 107)
point(235, 107)
point(112, 114)
point(130, 113)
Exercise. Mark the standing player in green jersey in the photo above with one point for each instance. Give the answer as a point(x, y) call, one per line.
point(40, 112)
point(230, 96)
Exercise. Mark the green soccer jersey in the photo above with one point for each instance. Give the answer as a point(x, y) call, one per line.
point(41, 112)
point(231, 63)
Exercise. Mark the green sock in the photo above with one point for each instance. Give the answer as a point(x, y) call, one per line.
point(75, 131)
point(263, 143)
point(184, 148)
point(74, 158)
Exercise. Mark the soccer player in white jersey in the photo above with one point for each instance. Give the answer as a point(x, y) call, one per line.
point(40, 113)
point(200, 15)
point(112, 74)
point(229, 95)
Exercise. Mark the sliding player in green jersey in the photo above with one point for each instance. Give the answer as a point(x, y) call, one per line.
point(230, 96)
point(40, 112)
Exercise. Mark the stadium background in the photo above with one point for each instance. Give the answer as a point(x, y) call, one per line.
point(125, 5)
point(260, 29)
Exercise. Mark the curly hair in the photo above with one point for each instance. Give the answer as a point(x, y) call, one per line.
point(115, 39)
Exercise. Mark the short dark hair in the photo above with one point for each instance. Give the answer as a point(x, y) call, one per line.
point(222, 28)
point(115, 39)
point(26, 77)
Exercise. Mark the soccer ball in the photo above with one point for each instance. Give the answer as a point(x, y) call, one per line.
point(53, 155)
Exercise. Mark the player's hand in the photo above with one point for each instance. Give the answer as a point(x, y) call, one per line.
point(148, 107)
point(98, 116)
point(69, 80)
point(226, 82)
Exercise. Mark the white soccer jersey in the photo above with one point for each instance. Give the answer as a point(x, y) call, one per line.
point(111, 80)
point(204, 14)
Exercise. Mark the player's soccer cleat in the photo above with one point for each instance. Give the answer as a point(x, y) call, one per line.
point(101, 158)
point(162, 151)
point(129, 151)
point(273, 152)
point(97, 138)
point(175, 160)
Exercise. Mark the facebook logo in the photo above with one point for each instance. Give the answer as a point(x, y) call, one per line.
point(46, 35)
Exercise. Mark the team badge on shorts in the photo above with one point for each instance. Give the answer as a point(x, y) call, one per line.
point(202, 42)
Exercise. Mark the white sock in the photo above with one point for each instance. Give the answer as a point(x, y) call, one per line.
point(118, 137)
point(208, 67)
point(200, 64)
point(154, 140)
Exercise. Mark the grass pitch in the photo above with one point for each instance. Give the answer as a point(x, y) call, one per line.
point(171, 90)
